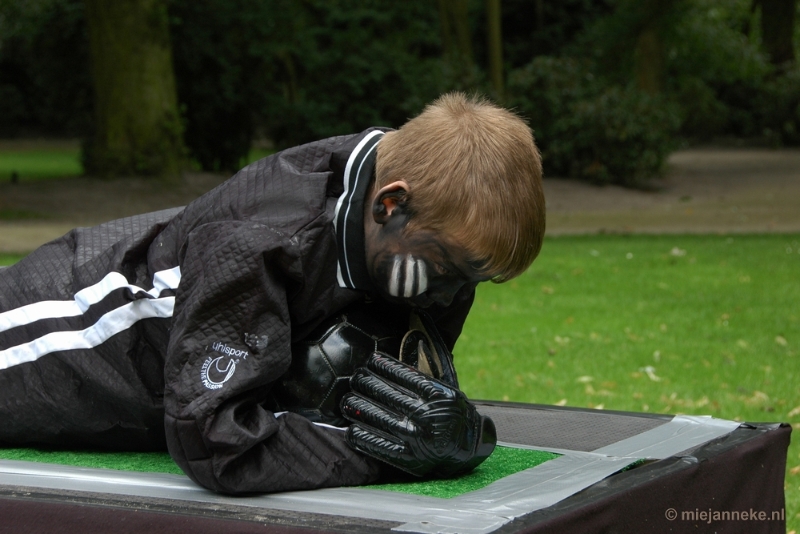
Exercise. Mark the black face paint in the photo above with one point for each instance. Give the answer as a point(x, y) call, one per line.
point(418, 267)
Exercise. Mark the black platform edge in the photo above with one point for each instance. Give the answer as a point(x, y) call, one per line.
point(632, 485)
point(172, 511)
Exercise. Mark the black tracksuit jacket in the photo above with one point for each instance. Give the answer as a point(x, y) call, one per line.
point(167, 330)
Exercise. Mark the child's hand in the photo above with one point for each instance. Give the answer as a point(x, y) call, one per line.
point(416, 423)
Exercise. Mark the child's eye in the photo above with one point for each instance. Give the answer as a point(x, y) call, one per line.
point(440, 269)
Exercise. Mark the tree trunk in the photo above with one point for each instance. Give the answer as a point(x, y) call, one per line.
point(137, 125)
point(648, 54)
point(495, 47)
point(777, 27)
point(649, 61)
point(539, 15)
point(456, 40)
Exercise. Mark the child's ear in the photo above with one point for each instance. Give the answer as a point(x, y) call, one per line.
point(390, 199)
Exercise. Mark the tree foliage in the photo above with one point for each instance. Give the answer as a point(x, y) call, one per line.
point(590, 129)
point(358, 63)
point(225, 61)
point(609, 86)
point(45, 86)
point(298, 71)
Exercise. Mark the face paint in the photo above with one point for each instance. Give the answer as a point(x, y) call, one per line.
point(394, 278)
point(409, 276)
point(416, 277)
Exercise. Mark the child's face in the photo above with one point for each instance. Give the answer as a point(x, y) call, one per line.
point(421, 268)
point(417, 267)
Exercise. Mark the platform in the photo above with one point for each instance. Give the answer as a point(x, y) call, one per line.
point(617, 472)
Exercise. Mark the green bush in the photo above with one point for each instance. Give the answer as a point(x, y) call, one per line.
point(223, 52)
point(723, 81)
point(351, 64)
point(762, 110)
point(295, 72)
point(777, 107)
point(592, 130)
point(714, 67)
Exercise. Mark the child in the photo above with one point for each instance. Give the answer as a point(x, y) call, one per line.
point(168, 330)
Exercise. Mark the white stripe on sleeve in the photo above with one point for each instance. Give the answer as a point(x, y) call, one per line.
point(107, 326)
point(52, 309)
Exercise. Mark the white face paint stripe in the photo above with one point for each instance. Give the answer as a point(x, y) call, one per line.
point(411, 277)
point(394, 278)
point(422, 284)
point(408, 277)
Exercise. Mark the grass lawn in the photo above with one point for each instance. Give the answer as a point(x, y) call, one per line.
point(56, 162)
point(8, 259)
point(671, 324)
point(37, 164)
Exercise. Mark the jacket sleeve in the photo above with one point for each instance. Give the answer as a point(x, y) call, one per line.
point(229, 343)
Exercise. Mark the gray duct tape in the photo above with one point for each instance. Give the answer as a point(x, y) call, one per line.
point(477, 512)
point(683, 432)
point(525, 492)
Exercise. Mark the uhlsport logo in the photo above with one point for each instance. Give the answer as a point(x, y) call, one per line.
point(218, 370)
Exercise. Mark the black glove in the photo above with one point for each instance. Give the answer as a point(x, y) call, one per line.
point(416, 423)
point(432, 356)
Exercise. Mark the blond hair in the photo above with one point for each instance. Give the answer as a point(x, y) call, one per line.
point(474, 175)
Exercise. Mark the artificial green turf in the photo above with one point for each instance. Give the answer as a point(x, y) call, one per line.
point(145, 462)
point(38, 164)
point(503, 462)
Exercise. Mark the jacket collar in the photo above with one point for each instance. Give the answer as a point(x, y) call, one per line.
point(348, 219)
